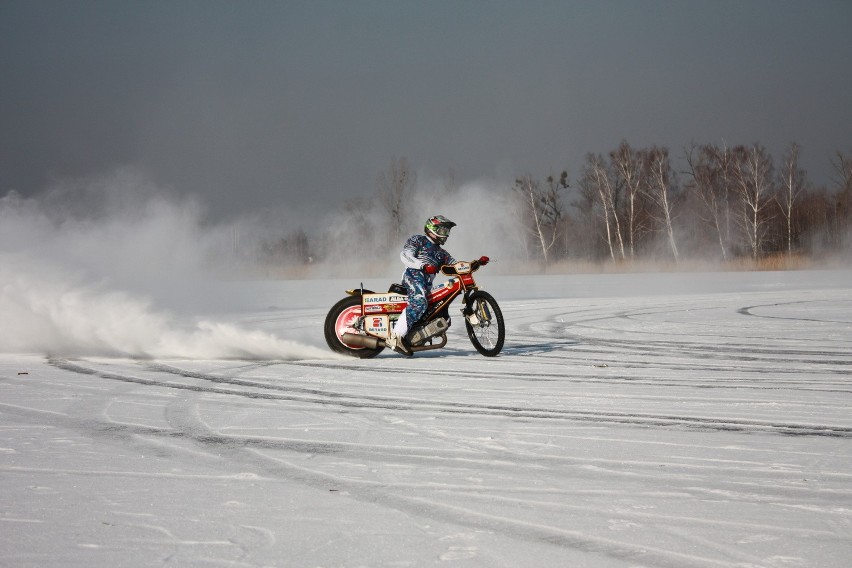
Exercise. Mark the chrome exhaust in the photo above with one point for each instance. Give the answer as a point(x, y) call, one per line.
point(357, 340)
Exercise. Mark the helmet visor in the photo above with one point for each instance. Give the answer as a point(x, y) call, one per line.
point(442, 230)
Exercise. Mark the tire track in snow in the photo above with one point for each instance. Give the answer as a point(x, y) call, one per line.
point(261, 390)
point(184, 417)
point(658, 349)
point(185, 425)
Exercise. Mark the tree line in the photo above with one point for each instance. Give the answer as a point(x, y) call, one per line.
point(729, 203)
point(726, 204)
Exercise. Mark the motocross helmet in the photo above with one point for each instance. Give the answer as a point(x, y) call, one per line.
point(437, 229)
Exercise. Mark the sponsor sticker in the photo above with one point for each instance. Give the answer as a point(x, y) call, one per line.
point(384, 303)
point(377, 325)
point(371, 299)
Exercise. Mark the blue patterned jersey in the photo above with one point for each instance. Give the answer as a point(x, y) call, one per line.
point(419, 251)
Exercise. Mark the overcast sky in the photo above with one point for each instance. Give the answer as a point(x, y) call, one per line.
point(278, 104)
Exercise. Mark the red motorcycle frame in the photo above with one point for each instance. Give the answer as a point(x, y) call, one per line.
point(359, 324)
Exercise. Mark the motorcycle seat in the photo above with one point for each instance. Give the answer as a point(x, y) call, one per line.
point(398, 289)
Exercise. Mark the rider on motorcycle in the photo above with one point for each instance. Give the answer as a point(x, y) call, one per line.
point(422, 256)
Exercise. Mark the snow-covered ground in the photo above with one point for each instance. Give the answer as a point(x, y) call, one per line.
point(677, 420)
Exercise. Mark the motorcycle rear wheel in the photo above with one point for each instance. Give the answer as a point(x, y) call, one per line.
point(339, 321)
point(488, 334)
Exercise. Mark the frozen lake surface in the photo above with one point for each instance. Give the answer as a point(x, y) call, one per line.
point(676, 420)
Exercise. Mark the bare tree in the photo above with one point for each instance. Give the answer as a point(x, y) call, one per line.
point(395, 186)
point(553, 198)
point(703, 175)
point(632, 170)
point(843, 208)
point(711, 169)
point(583, 231)
point(843, 168)
point(542, 210)
point(753, 173)
point(526, 188)
point(597, 180)
point(791, 183)
point(661, 190)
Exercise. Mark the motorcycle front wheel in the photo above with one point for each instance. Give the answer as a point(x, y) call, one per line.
point(488, 330)
point(341, 319)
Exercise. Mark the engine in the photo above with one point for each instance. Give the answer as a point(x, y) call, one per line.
point(422, 333)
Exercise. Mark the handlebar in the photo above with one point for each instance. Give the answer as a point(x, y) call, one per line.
point(450, 269)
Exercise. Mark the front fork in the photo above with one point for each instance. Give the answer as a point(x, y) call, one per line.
point(477, 314)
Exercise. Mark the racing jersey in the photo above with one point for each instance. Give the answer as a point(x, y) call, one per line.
point(419, 251)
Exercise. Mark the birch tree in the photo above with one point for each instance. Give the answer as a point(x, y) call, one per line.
point(630, 167)
point(843, 180)
point(753, 173)
point(542, 210)
point(843, 209)
point(598, 181)
point(661, 191)
point(711, 170)
point(791, 184)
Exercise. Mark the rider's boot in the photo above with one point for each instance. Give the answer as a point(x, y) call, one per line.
point(397, 341)
point(398, 344)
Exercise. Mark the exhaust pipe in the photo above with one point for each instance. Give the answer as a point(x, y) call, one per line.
point(356, 340)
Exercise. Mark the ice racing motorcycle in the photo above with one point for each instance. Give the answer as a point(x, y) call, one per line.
point(359, 324)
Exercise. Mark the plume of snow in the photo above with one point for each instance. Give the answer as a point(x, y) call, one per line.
point(83, 267)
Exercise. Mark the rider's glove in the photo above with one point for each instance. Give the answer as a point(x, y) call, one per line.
point(430, 269)
point(483, 260)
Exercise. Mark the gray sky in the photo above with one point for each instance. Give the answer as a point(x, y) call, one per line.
point(264, 104)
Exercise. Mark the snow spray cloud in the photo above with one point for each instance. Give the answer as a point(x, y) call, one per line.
point(81, 265)
point(487, 224)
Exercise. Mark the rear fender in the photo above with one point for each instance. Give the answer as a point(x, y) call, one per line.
point(358, 291)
